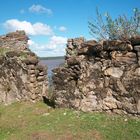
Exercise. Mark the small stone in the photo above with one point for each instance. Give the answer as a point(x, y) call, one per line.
point(32, 60)
point(110, 103)
point(137, 48)
point(121, 87)
point(31, 71)
point(32, 79)
point(114, 72)
point(19, 116)
point(40, 78)
point(33, 96)
point(41, 73)
point(64, 113)
point(125, 120)
point(46, 114)
point(137, 72)
point(32, 85)
point(106, 82)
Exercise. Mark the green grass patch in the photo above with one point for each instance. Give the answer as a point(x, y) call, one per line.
point(23, 55)
point(37, 121)
point(3, 51)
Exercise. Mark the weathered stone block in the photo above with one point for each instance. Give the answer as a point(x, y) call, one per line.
point(137, 72)
point(32, 60)
point(32, 79)
point(135, 40)
point(31, 72)
point(40, 78)
point(117, 45)
point(128, 57)
point(114, 72)
point(41, 74)
point(137, 48)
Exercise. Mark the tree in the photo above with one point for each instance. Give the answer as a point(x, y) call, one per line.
point(121, 28)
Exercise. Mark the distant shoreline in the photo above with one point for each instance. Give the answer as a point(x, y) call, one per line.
point(52, 58)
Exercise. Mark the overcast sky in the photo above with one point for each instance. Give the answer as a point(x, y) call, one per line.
point(49, 23)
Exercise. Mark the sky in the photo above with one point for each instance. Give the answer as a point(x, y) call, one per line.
point(49, 23)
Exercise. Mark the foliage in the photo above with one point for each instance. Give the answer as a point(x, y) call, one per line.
point(30, 121)
point(119, 28)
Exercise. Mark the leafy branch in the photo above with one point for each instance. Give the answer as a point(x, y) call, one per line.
point(119, 28)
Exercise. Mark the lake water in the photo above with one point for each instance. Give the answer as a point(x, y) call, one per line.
point(51, 64)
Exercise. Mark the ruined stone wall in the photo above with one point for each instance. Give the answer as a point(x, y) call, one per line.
point(100, 76)
point(21, 75)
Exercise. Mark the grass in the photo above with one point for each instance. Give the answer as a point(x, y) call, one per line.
point(3, 51)
point(37, 121)
point(23, 55)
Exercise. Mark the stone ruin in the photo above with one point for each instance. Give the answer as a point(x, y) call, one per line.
point(100, 76)
point(21, 75)
point(97, 76)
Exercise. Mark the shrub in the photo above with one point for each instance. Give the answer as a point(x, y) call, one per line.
point(119, 28)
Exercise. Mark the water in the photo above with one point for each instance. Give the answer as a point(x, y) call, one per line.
point(51, 64)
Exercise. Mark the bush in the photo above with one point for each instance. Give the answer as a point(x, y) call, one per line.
point(119, 28)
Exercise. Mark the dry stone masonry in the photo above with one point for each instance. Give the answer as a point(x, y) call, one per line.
point(21, 75)
point(100, 76)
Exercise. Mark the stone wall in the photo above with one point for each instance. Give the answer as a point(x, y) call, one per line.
point(100, 76)
point(21, 75)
